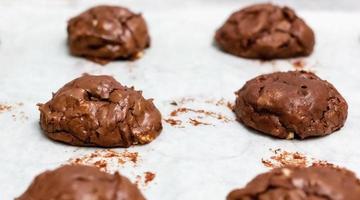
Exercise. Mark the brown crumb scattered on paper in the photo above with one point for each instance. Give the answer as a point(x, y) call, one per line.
point(105, 159)
point(218, 116)
point(197, 116)
point(5, 108)
point(298, 64)
point(323, 163)
point(197, 123)
point(14, 113)
point(144, 179)
point(149, 176)
point(173, 122)
point(291, 159)
point(173, 103)
point(220, 102)
point(182, 101)
point(285, 159)
point(20, 116)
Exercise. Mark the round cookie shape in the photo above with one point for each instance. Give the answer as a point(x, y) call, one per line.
point(315, 183)
point(291, 104)
point(265, 31)
point(78, 182)
point(99, 111)
point(105, 33)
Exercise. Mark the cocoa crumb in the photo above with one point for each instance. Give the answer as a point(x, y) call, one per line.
point(173, 122)
point(292, 159)
point(221, 102)
point(178, 111)
point(107, 159)
point(285, 159)
point(144, 179)
point(173, 103)
point(21, 116)
point(101, 164)
point(5, 108)
point(149, 176)
point(196, 115)
point(298, 64)
point(267, 163)
point(186, 100)
point(323, 163)
point(197, 123)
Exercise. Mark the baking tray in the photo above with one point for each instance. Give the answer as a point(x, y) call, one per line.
point(182, 65)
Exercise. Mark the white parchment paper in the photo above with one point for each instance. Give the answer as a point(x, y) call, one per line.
point(194, 162)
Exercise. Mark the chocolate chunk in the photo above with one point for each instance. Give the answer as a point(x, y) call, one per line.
point(99, 111)
point(313, 183)
point(105, 33)
point(78, 182)
point(291, 104)
point(265, 31)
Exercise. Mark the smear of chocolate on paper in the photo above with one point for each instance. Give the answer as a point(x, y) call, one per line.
point(196, 117)
point(291, 159)
point(106, 159)
point(215, 115)
point(197, 123)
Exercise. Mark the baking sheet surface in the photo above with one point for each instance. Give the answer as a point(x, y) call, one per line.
point(190, 162)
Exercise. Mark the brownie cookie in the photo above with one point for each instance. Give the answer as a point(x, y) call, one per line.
point(105, 33)
point(291, 104)
point(265, 31)
point(99, 111)
point(76, 182)
point(312, 183)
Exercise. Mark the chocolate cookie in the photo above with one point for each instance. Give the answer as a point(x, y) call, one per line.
point(291, 104)
point(265, 31)
point(105, 33)
point(313, 183)
point(99, 111)
point(78, 182)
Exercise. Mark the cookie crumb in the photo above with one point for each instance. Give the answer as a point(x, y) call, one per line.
point(149, 176)
point(197, 123)
point(292, 159)
point(173, 122)
point(298, 64)
point(106, 159)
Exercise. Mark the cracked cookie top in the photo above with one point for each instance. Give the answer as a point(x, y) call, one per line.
point(265, 31)
point(312, 183)
point(78, 182)
point(99, 111)
point(291, 104)
point(105, 33)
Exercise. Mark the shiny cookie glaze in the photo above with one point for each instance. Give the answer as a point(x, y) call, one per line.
point(99, 111)
point(291, 104)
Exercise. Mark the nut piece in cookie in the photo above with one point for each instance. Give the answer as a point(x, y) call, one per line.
point(317, 183)
point(99, 111)
point(105, 33)
point(77, 182)
point(265, 31)
point(291, 104)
